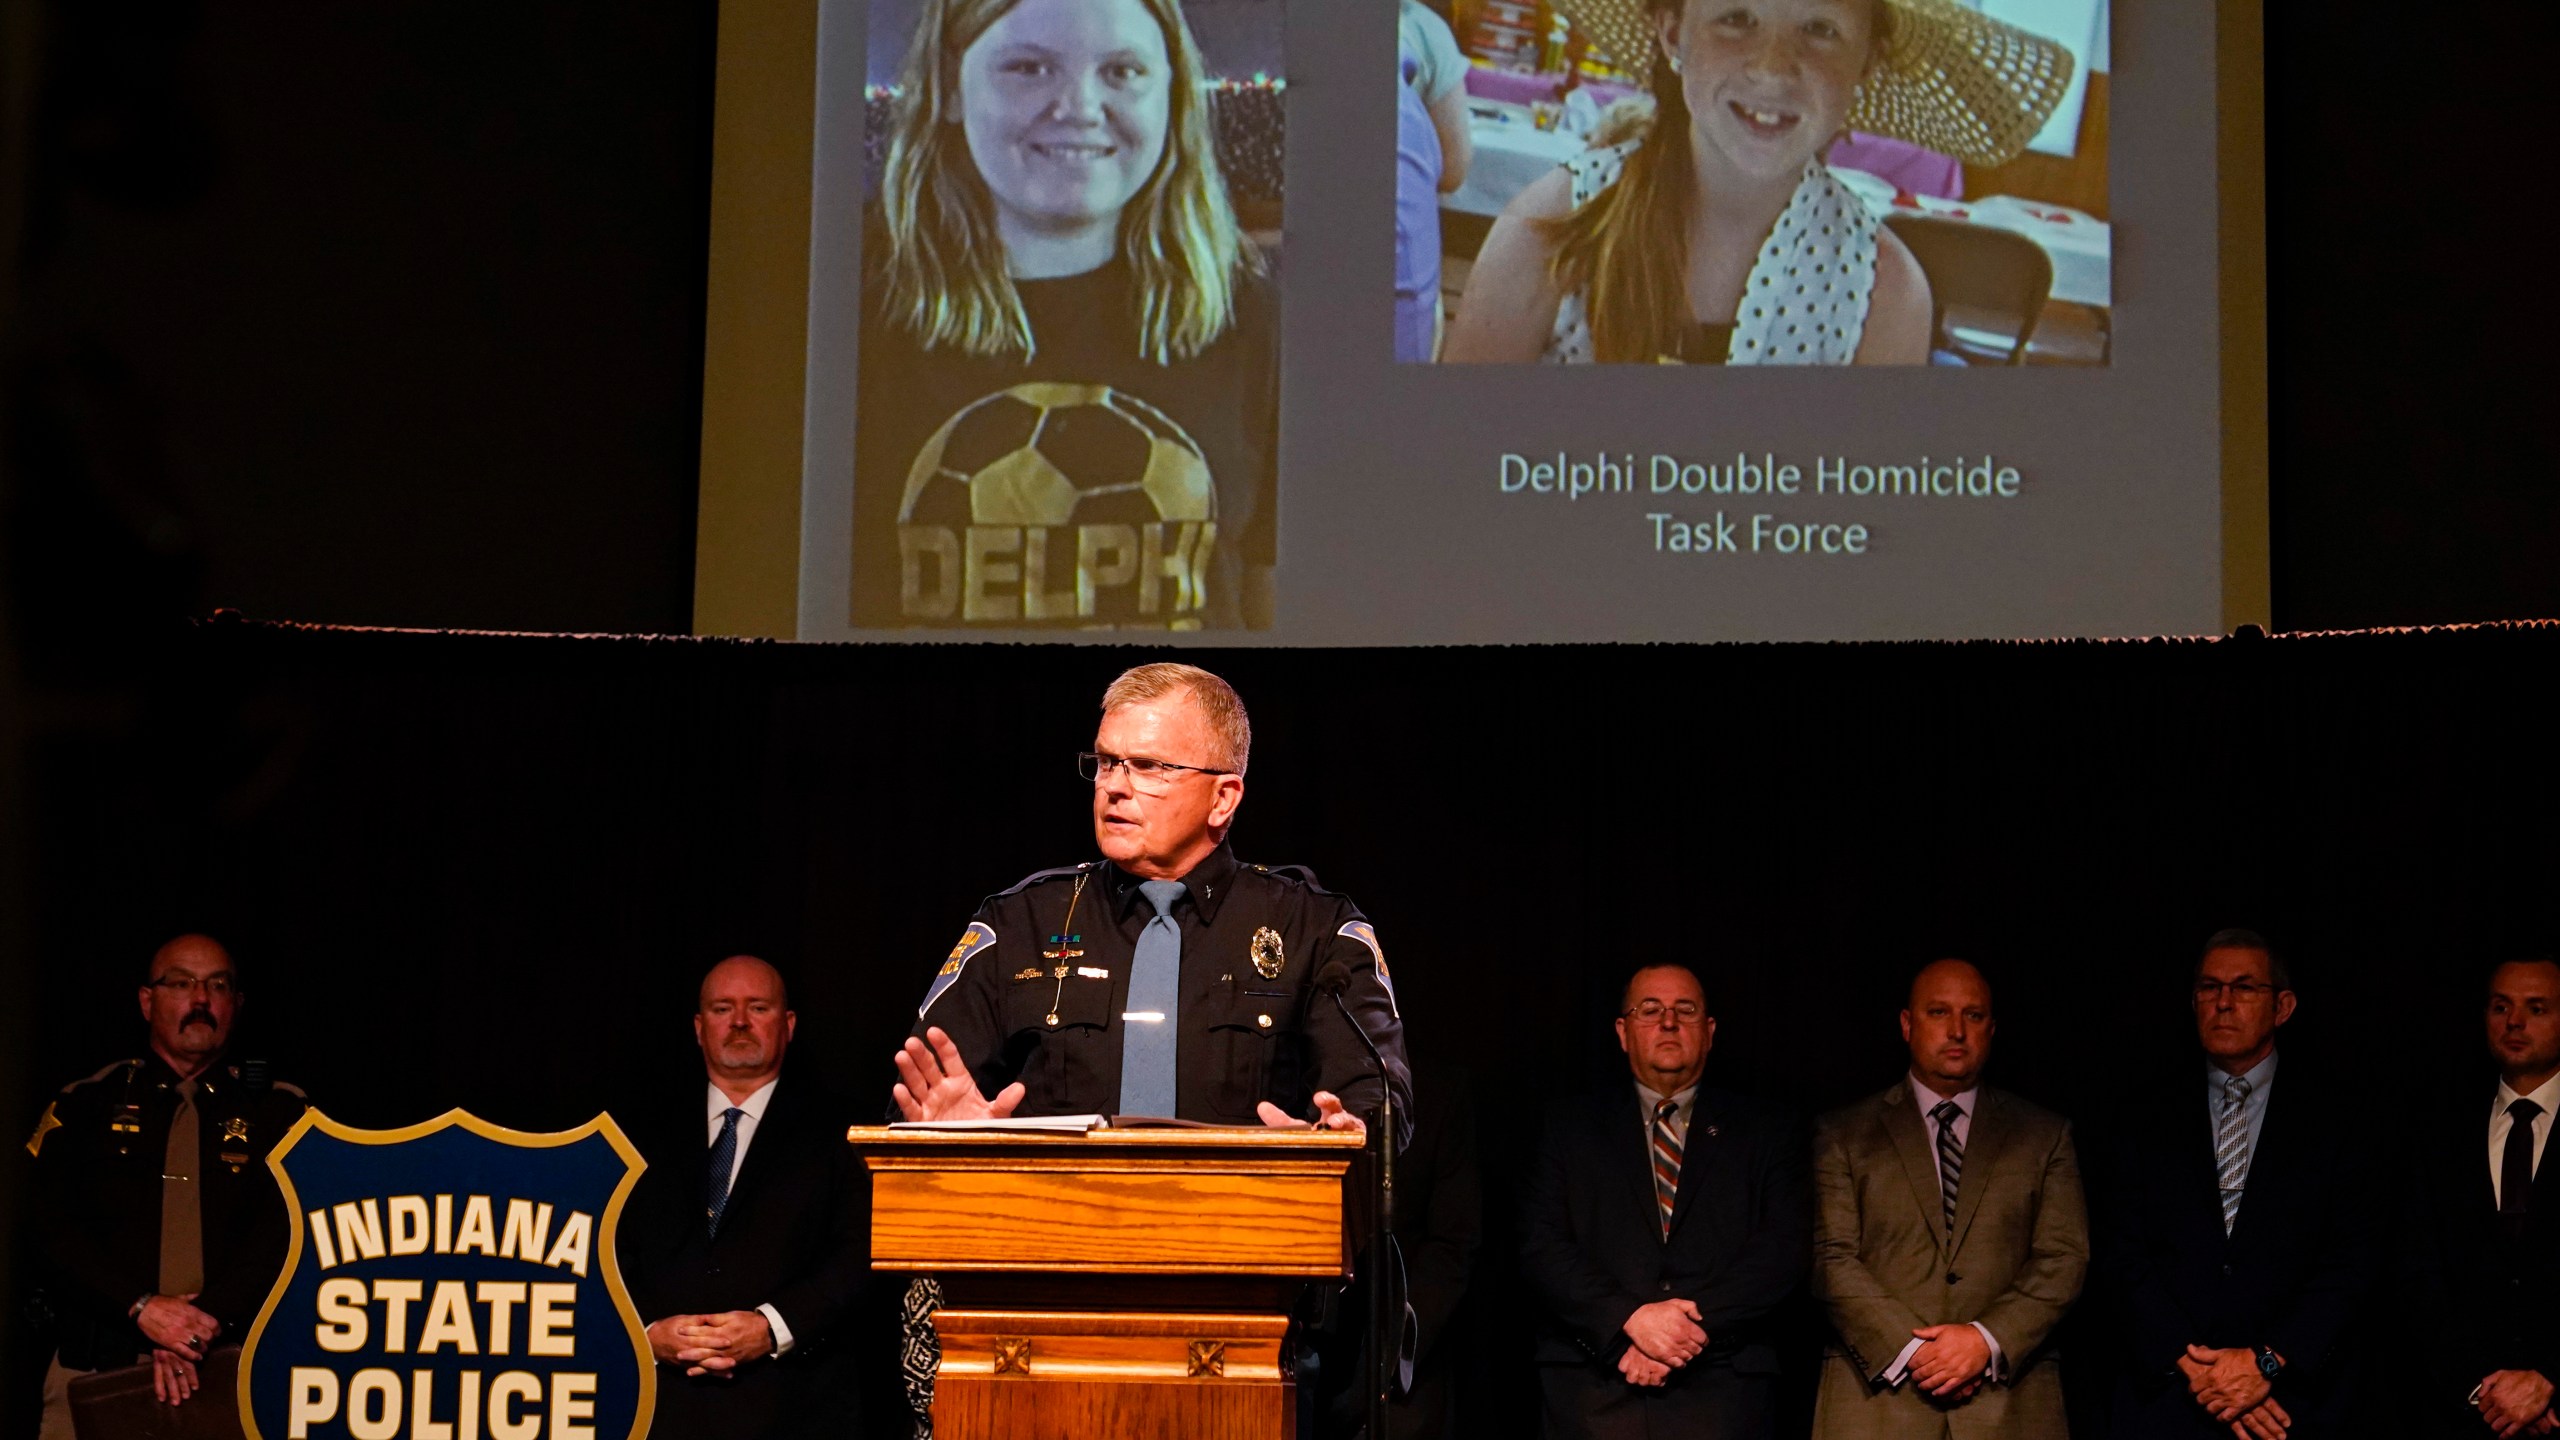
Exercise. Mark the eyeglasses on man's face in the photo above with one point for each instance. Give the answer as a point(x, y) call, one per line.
point(217, 986)
point(1145, 772)
point(1684, 1012)
point(2209, 992)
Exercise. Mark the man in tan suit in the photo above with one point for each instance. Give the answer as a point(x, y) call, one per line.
point(1939, 1338)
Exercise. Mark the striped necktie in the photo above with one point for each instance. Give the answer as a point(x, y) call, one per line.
point(1666, 1160)
point(1950, 1158)
point(2231, 1148)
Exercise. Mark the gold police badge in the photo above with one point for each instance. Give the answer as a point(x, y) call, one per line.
point(1268, 959)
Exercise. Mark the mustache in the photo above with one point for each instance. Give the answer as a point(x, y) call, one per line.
point(201, 1015)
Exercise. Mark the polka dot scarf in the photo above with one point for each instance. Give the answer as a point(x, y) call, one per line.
point(1805, 301)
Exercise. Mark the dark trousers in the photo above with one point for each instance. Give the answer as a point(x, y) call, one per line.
point(1585, 1402)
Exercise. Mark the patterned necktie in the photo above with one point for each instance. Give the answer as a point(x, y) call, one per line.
point(1950, 1157)
point(2515, 1166)
point(2231, 1149)
point(724, 1158)
point(1155, 988)
point(1666, 1160)
point(181, 1201)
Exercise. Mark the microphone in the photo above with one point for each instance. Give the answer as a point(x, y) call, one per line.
point(1333, 978)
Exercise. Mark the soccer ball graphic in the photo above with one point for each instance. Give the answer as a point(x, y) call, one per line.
point(1058, 454)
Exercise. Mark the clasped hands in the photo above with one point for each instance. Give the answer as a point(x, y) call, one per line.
point(934, 1084)
point(1662, 1336)
point(2227, 1384)
point(2516, 1402)
point(1953, 1363)
point(179, 1334)
point(712, 1344)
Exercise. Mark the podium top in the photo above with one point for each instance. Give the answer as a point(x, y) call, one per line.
point(1222, 1202)
point(1223, 1137)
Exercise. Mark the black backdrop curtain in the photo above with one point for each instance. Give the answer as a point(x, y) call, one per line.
point(486, 871)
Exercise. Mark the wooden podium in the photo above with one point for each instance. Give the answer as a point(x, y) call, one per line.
point(1122, 1283)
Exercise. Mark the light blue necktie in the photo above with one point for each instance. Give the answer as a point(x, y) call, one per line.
point(724, 1156)
point(1155, 984)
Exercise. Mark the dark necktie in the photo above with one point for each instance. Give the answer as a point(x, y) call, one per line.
point(1666, 1160)
point(1950, 1157)
point(2515, 1166)
point(1155, 990)
point(724, 1158)
point(181, 1202)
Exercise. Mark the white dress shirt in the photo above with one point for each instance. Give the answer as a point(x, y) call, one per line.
point(1686, 1099)
point(1928, 1100)
point(2546, 1095)
point(754, 1106)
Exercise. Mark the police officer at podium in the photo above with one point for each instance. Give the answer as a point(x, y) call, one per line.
point(163, 1228)
point(1167, 978)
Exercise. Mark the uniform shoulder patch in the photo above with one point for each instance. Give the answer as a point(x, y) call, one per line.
point(46, 1124)
point(979, 936)
point(1367, 934)
point(1040, 876)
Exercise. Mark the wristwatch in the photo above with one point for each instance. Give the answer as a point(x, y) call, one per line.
point(2270, 1364)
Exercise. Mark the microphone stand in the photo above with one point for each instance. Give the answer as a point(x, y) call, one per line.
point(1383, 1345)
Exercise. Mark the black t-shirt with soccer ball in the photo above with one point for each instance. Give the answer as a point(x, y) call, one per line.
point(1084, 488)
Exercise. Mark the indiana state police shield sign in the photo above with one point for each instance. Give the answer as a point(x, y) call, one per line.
point(450, 1281)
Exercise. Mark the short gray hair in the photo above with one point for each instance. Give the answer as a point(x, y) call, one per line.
point(2236, 938)
point(1219, 704)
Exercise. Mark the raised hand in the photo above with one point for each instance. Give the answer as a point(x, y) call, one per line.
point(934, 1084)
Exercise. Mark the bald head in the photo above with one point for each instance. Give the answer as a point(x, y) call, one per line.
point(749, 970)
point(1947, 1023)
point(742, 1020)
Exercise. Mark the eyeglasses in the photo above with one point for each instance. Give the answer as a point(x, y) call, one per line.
point(2242, 991)
point(1151, 775)
point(1684, 1012)
point(216, 986)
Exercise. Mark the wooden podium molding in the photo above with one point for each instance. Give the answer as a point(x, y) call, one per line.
point(1128, 1283)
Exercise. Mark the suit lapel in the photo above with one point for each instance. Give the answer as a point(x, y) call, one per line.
point(1631, 1154)
point(1919, 1166)
point(2271, 1166)
point(1985, 1137)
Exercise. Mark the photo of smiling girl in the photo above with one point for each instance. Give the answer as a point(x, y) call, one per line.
point(1067, 407)
point(1702, 225)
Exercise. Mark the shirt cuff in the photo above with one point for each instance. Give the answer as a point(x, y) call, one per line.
point(782, 1332)
point(1900, 1369)
point(1998, 1370)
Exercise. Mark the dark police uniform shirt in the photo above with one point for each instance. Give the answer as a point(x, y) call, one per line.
point(98, 1153)
point(1023, 1004)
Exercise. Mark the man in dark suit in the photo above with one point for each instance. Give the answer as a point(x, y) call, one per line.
point(2489, 1253)
point(2234, 1238)
point(1665, 1225)
point(744, 1243)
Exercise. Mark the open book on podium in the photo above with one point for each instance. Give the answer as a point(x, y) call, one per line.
point(1112, 1279)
